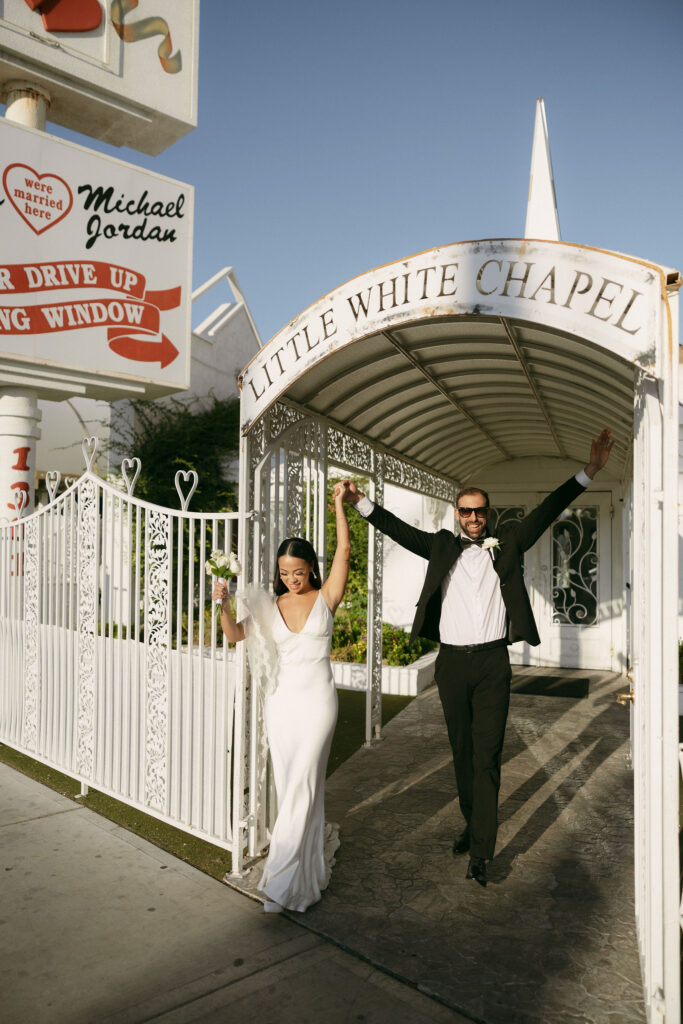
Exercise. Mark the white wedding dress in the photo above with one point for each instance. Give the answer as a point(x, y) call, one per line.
point(300, 716)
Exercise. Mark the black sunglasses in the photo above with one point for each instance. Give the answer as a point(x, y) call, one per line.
point(480, 512)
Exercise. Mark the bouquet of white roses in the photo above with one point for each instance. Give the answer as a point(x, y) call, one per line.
point(223, 566)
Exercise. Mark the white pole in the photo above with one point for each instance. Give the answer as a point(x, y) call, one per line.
point(26, 104)
point(19, 431)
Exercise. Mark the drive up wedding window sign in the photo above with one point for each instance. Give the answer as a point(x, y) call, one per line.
point(94, 254)
point(95, 271)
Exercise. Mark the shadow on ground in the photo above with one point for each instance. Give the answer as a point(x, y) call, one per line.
point(552, 936)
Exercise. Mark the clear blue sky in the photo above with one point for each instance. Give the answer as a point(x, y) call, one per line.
point(334, 137)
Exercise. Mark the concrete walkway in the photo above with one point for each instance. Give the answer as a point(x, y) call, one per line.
point(551, 940)
point(99, 925)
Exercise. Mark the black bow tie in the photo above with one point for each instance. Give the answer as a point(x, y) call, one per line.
point(467, 542)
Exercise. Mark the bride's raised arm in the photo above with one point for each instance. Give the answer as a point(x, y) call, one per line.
point(334, 586)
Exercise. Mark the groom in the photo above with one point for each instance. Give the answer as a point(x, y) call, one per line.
point(475, 603)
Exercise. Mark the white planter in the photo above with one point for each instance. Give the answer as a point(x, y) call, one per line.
point(400, 680)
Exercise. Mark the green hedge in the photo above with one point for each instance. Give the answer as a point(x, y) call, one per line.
point(350, 641)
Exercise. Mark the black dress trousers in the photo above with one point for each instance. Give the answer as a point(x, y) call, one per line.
point(474, 687)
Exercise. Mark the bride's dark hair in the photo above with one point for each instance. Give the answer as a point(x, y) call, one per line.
point(296, 547)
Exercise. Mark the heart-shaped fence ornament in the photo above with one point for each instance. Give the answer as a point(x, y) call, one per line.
point(21, 500)
point(126, 466)
point(186, 475)
point(89, 447)
point(69, 481)
point(52, 481)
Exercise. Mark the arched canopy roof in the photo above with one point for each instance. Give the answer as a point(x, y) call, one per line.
point(476, 353)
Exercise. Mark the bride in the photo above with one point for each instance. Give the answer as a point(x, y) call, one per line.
point(300, 712)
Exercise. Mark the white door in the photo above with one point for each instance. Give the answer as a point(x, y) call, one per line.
point(569, 578)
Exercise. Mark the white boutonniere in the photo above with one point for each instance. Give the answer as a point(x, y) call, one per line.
point(490, 543)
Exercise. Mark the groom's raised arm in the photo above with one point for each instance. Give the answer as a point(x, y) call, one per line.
point(418, 541)
point(540, 518)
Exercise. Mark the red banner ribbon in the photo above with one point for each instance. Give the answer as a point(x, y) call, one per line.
point(19, 278)
point(72, 316)
point(142, 350)
point(136, 309)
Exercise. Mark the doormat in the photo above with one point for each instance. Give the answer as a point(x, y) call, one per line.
point(550, 686)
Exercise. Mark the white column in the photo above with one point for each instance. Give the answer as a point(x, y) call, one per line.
point(19, 431)
point(26, 104)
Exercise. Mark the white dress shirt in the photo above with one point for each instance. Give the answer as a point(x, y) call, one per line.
point(472, 607)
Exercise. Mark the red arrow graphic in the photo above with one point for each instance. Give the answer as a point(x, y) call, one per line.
point(162, 351)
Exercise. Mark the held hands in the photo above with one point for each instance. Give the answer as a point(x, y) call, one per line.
point(234, 631)
point(600, 450)
point(349, 492)
point(220, 591)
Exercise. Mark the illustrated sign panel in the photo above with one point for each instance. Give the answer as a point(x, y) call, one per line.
point(120, 70)
point(611, 300)
point(95, 271)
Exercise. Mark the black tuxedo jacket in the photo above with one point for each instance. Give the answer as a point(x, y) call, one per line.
point(443, 549)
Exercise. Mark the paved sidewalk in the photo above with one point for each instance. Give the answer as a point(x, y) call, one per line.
point(97, 925)
point(551, 940)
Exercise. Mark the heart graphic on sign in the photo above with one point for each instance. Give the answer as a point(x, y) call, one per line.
point(42, 200)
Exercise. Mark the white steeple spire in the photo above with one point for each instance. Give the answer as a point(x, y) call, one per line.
point(541, 210)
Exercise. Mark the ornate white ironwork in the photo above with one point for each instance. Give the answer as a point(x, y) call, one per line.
point(110, 667)
point(128, 465)
point(157, 606)
point(280, 418)
point(503, 514)
point(186, 476)
point(348, 451)
point(31, 533)
point(257, 445)
point(288, 456)
point(52, 480)
point(88, 607)
point(21, 502)
point(575, 563)
point(405, 474)
point(293, 496)
point(376, 570)
point(89, 446)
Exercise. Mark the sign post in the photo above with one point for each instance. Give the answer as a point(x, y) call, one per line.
point(19, 413)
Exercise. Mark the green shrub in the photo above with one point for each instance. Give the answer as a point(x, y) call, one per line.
point(397, 649)
point(350, 641)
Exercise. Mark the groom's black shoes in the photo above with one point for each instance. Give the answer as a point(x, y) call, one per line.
point(477, 870)
point(461, 843)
